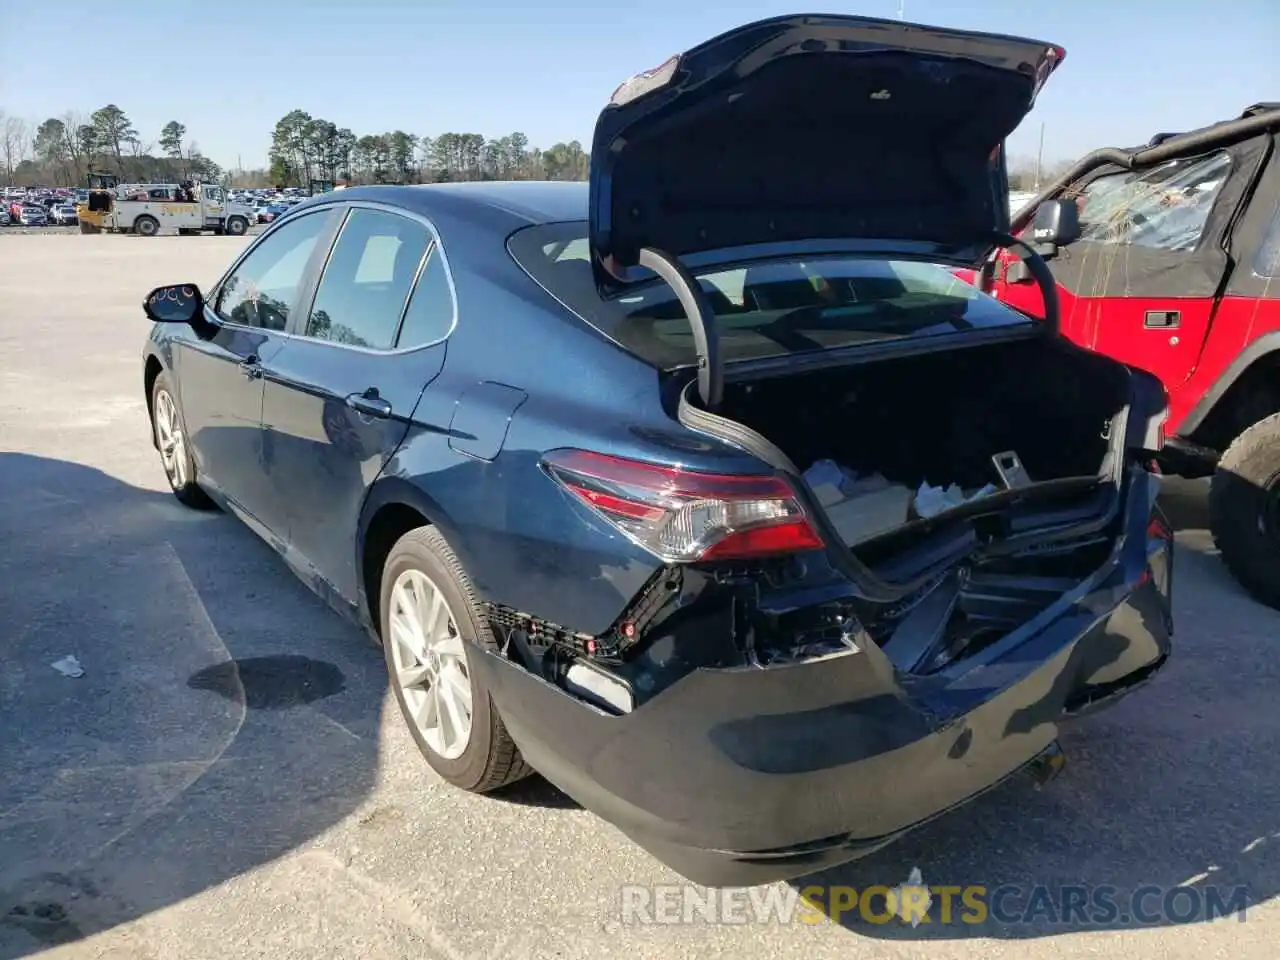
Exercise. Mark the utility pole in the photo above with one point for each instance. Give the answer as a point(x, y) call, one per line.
point(902, 9)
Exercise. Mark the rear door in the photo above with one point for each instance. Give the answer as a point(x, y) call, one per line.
point(340, 394)
point(1142, 281)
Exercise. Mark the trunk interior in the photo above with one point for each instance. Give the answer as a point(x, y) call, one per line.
point(939, 419)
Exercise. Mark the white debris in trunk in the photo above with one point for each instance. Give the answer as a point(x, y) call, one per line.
point(931, 500)
point(859, 507)
point(863, 507)
point(870, 513)
point(68, 666)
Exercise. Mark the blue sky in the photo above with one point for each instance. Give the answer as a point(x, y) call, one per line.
point(229, 70)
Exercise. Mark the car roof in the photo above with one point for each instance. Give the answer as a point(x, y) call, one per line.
point(505, 205)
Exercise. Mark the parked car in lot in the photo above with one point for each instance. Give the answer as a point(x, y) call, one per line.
point(33, 216)
point(1167, 257)
point(5, 219)
point(271, 211)
point(63, 214)
point(615, 472)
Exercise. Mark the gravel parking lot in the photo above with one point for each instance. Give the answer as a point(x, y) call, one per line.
point(229, 778)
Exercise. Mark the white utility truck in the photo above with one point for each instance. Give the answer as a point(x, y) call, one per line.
point(147, 208)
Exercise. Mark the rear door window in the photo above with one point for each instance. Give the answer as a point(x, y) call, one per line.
point(429, 317)
point(1267, 263)
point(365, 286)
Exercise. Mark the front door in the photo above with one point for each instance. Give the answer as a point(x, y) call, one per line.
point(211, 203)
point(1141, 282)
point(220, 374)
point(340, 395)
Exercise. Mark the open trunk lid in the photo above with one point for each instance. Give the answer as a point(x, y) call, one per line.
point(814, 127)
point(871, 136)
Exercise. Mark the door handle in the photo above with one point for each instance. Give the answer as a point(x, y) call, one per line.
point(251, 367)
point(1162, 319)
point(370, 403)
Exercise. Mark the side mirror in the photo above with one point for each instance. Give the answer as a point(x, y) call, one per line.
point(177, 303)
point(1056, 222)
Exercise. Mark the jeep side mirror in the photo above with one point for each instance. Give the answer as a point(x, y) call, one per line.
point(1056, 223)
point(176, 303)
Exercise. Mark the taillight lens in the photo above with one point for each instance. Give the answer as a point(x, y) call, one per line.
point(683, 516)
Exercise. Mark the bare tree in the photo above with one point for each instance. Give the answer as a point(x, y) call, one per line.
point(71, 124)
point(138, 148)
point(14, 145)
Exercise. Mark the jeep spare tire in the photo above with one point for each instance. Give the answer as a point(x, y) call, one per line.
point(1244, 509)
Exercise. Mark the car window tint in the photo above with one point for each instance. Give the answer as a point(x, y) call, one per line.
point(262, 289)
point(364, 287)
point(430, 313)
point(1268, 262)
point(1164, 208)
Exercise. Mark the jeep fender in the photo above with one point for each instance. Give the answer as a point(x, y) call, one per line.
point(1263, 346)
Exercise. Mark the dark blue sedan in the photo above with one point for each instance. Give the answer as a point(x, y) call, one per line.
point(704, 489)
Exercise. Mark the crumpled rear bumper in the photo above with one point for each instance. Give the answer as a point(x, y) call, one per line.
point(749, 775)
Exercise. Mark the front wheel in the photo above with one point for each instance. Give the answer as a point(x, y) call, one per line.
point(1244, 510)
point(429, 619)
point(170, 434)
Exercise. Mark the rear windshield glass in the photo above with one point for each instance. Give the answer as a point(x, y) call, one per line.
point(762, 309)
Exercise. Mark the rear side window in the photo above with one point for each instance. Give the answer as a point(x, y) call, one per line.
point(366, 283)
point(1164, 208)
point(762, 309)
point(1268, 262)
point(430, 314)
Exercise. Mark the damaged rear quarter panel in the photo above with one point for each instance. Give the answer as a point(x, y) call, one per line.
point(843, 751)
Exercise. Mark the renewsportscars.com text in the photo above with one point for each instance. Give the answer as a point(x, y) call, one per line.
point(916, 903)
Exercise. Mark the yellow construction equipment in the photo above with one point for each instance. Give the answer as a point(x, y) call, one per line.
point(102, 195)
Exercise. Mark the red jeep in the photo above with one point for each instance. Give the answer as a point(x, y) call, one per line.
point(1167, 257)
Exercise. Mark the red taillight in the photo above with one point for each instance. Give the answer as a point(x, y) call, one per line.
point(683, 516)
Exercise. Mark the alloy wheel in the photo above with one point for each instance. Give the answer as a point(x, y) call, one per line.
point(171, 440)
point(430, 663)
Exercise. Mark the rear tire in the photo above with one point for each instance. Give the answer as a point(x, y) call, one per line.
point(430, 679)
point(1244, 510)
point(146, 226)
point(237, 227)
point(169, 431)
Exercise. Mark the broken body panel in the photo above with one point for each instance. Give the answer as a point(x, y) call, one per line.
point(775, 699)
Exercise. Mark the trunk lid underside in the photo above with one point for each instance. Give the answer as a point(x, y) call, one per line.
point(813, 127)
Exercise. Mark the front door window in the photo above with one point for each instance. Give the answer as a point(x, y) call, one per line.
point(1164, 208)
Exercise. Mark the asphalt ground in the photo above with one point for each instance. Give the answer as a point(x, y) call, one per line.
point(230, 778)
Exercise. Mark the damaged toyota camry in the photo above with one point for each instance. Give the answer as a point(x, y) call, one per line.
point(704, 489)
